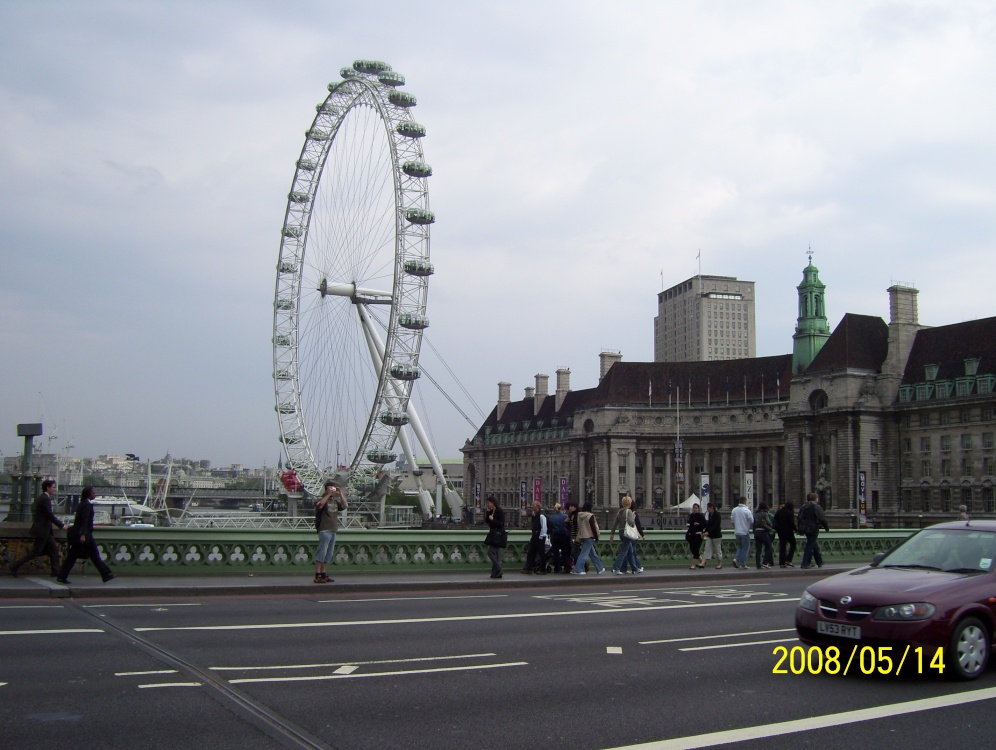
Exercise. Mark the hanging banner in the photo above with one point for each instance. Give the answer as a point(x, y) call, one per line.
point(563, 491)
point(704, 489)
point(749, 488)
point(522, 494)
point(538, 490)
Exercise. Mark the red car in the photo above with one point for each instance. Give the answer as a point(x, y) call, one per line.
point(935, 592)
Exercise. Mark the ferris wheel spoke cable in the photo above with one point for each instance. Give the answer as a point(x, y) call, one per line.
point(442, 391)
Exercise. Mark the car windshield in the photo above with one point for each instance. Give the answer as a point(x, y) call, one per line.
point(952, 550)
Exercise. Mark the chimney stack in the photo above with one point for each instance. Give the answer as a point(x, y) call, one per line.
point(504, 396)
point(605, 361)
point(563, 386)
point(542, 388)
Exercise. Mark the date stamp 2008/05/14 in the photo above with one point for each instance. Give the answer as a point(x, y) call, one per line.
point(866, 659)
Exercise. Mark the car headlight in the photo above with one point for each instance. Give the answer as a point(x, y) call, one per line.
point(906, 612)
point(808, 602)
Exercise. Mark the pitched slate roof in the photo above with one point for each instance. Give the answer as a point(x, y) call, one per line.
point(859, 342)
point(631, 383)
point(949, 347)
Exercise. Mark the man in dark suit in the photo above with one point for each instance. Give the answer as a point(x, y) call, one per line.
point(43, 519)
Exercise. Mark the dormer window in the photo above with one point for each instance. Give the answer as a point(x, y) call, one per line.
point(931, 371)
point(972, 366)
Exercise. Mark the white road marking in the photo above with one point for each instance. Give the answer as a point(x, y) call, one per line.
point(463, 618)
point(51, 632)
point(171, 684)
point(31, 606)
point(816, 722)
point(153, 604)
point(150, 671)
point(399, 673)
point(414, 598)
point(737, 645)
point(710, 637)
point(346, 669)
point(613, 649)
point(342, 663)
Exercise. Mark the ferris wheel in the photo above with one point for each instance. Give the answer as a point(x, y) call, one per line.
point(352, 284)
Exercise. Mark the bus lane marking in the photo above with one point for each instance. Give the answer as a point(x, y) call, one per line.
point(462, 618)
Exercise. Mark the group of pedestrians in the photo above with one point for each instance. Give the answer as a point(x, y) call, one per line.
point(705, 536)
point(565, 541)
point(80, 544)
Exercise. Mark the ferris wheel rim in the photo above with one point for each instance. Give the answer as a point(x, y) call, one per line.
point(406, 301)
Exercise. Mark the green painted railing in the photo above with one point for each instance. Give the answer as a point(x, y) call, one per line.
point(173, 551)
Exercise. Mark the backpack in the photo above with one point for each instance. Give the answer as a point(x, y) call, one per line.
point(319, 510)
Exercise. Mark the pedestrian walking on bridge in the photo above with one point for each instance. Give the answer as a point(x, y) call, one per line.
point(43, 519)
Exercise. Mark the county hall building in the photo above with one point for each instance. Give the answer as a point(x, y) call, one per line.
point(889, 422)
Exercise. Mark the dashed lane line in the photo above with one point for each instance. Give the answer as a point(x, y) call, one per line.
point(737, 645)
point(414, 598)
point(398, 673)
point(147, 604)
point(710, 637)
point(59, 631)
point(170, 685)
point(327, 665)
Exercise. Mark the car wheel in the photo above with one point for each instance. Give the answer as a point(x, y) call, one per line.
point(968, 652)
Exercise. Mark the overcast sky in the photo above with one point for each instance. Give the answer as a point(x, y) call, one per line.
point(583, 154)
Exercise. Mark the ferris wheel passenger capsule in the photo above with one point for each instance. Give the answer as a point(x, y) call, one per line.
point(391, 78)
point(419, 267)
point(413, 321)
point(405, 372)
point(419, 216)
point(402, 99)
point(394, 418)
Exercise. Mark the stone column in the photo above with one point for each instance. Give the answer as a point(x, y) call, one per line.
point(743, 471)
point(582, 478)
point(648, 478)
point(613, 477)
point(776, 476)
point(630, 473)
point(759, 478)
point(837, 489)
point(726, 472)
point(668, 463)
point(706, 469)
point(807, 465)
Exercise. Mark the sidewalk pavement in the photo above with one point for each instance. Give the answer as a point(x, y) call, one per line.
point(136, 585)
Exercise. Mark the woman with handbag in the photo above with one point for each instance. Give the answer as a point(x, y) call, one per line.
point(625, 521)
point(497, 537)
point(80, 541)
point(696, 527)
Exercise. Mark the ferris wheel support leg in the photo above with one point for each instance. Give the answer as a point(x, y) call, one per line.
point(377, 352)
point(377, 355)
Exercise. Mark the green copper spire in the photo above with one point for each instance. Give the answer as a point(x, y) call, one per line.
point(811, 330)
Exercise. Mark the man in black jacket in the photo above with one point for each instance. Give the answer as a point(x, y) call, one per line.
point(81, 542)
point(811, 518)
point(536, 553)
point(785, 528)
point(42, 520)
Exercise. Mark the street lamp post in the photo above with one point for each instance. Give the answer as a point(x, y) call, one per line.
point(20, 506)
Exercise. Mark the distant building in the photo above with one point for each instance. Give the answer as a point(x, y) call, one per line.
point(881, 419)
point(705, 318)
